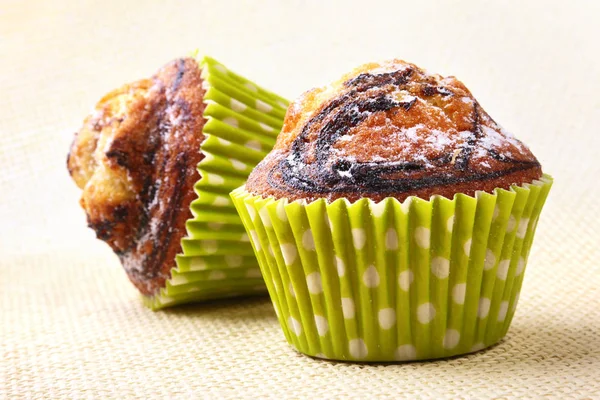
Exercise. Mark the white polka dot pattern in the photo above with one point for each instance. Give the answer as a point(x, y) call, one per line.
point(502, 271)
point(237, 106)
point(215, 179)
point(467, 247)
point(371, 277)
point(450, 224)
point(358, 349)
point(406, 352)
point(251, 211)
point(308, 242)
point(251, 87)
point(266, 128)
point(391, 239)
point(231, 122)
point(254, 145)
point(348, 307)
point(264, 107)
point(295, 326)
point(440, 267)
point(281, 212)
point(220, 201)
point(514, 306)
point(233, 260)
point(522, 228)
point(378, 253)
point(197, 263)
point(458, 293)
point(451, 338)
point(322, 325)
point(313, 281)
point(255, 240)
point(387, 318)
point(377, 209)
point(484, 307)
point(502, 311)
point(215, 226)
point(520, 266)
point(209, 246)
point(217, 275)
point(359, 238)
point(490, 260)
point(265, 217)
point(224, 142)
point(425, 313)
point(221, 68)
point(289, 253)
point(496, 213)
point(512, 222)
point(422, 237)
point(477, 346)
point(240, 166)
point(405, 278)
point(341, 268)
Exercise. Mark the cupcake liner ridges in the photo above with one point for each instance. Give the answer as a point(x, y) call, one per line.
point(393, 281)
point(243, 121)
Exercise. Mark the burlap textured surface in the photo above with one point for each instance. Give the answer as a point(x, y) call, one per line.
point(72, 326)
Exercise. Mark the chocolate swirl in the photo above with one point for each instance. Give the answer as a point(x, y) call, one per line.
point(135, 159)
point(398, 133)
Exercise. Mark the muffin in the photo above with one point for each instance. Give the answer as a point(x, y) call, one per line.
point(393, 219)
point(156, 160)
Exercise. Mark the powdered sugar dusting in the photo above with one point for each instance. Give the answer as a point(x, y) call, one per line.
point(389, 66)
point(402, 96)
point(493, 139)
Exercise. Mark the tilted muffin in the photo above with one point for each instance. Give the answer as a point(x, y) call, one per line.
point(393, 218)
point(155, 161)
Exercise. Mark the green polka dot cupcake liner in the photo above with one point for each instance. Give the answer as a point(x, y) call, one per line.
point(393, 281)
point(217, 260)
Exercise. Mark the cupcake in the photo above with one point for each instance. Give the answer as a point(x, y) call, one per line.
point(393, 219)
point(156, 160)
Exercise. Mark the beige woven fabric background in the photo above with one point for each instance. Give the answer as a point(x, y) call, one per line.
point(71, 325)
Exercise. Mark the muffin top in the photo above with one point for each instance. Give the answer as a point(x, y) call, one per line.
point(390, 129)
point(135, 159)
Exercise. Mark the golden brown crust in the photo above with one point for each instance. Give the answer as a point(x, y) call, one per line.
point(390, 129)
point(135, 159)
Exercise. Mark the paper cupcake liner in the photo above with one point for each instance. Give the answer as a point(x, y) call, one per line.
point(394, 281)
point(243, 121)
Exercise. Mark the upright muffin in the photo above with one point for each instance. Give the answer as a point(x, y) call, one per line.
point(156, 160)
point(393, 218)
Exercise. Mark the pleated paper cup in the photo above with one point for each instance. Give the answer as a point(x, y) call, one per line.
point(393, 281)
point(243, 121)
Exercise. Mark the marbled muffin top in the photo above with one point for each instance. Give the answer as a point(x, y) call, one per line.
point(135, 159)
point(390, 130)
